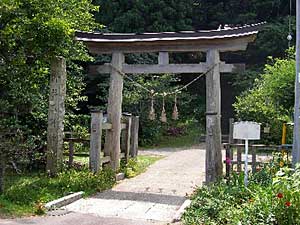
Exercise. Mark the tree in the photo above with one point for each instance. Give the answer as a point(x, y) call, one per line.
point(32, 33)
point(145, 16)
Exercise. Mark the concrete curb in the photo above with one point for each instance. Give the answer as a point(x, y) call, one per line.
point(181, 210)
point(64, 201)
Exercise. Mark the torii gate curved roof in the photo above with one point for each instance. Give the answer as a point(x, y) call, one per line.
point(229, 39)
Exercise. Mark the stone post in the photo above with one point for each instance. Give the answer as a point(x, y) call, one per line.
point(56, 112)
point(95, 141)
point(134, 139)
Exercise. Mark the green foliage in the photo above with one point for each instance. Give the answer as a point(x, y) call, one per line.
point(215, 12)
point(179, 134)
point(223, 203)
point(25, 193)
point(141, 16)
point(287, 205)
point(271, 197)
point(43, 29)
point(32, 33)
point(271, 100)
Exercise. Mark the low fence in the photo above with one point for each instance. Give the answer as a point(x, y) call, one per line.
point(234, 153)
point(99, 155)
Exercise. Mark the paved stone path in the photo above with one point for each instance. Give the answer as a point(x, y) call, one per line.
point(150, 198)
point(155, 195)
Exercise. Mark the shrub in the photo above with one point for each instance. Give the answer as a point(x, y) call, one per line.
point(270, 198)
point(271, 100)
point(286, 186)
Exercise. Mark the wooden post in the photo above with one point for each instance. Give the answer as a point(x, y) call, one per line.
point(231, 141)
point(214, 165)
point(239, 159)
point(229, 149)
point(253, 149)
point(71, 151)
point(126, 137)
point(230, 137)
point(134, 139)
point(114, 110)
point(56, 114)
point(228, 160)
point(95, 141)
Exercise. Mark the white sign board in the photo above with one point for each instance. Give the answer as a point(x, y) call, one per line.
point(246, 130)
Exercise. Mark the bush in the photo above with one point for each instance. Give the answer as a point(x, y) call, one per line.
point(287, 189)
point(271, 100)
point(271, 198)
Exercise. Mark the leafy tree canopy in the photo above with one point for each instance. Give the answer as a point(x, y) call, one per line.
point(143, 15)
point(31, 33)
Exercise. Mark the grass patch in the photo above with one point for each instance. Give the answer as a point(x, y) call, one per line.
point(25, 192)
point(139, 165)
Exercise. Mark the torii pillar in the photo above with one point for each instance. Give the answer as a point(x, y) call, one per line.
point(214, 166)
point(213, 163)
point(114, 110)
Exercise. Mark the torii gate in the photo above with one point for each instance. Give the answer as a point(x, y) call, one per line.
point(212, 42)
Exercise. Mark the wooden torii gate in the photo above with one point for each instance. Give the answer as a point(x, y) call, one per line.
point(212, 42)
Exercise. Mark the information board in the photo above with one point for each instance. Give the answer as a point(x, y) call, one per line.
point(246, 130)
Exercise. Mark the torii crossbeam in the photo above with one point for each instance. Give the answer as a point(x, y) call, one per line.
point(212, 42)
